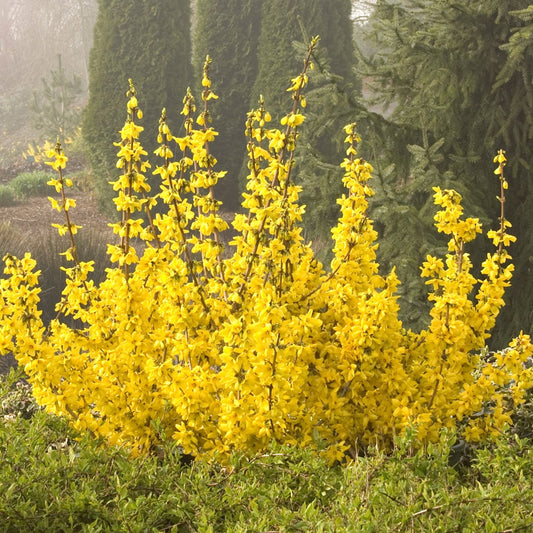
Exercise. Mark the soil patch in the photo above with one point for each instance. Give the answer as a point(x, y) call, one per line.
point(35, 214)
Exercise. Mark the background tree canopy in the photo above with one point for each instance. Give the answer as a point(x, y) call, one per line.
point(131, 40)
point(453, 84)
point(227, 31)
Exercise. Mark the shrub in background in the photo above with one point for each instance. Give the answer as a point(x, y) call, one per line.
point(222, 354)
point(24, 185)
point(31, 184)
point(122, 50)
point(56, 108)
point(230, 30)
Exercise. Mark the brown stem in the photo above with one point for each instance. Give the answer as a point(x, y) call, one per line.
point(216, 233)
point(437, 383)
point(67, 218)
point(271, 387)
point(460, 254)
point(251, 145)
point(502, 218)
point(186, 250)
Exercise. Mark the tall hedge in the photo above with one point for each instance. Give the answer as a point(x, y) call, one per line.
point(228, 31)
point(150, 43)
point(285, 22)
point(284, 25)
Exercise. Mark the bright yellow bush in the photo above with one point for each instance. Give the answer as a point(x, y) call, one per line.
point(220, 352)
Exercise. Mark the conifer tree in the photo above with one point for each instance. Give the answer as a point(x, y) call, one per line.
point(54, 107)
point(285, 28)
point(148, 42)
point(454, 80)
point(282, 23)
point(228, 31)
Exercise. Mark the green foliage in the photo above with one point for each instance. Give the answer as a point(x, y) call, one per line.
point(228, 32)
point(95, 488)
point(16, 400)
point(7, 196)
point(24, 185)
point(518, 47)
point(281, 23)
point(523, 417)
point(404, 212)
point(31, 184)
point(54, 106)
point(146, 41)
point(451, 82)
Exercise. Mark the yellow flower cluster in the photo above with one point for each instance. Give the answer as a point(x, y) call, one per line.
point(230, 350)
point(36, 153)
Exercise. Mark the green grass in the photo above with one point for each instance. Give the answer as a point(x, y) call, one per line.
point(24, 185)
point(12, 240)
point(90, 487)
point(7, 196)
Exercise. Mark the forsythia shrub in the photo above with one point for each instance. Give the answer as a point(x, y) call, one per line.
point(182, 341)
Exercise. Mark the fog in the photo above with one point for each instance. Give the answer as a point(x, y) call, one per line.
point(33, 33)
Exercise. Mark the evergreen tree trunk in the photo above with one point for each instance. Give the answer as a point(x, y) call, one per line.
point(150, 43)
